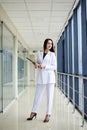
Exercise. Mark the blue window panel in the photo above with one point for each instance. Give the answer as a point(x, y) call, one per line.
point(75, 43)
point(63, 64)
point(70, 58)
point(66, 59)
point(61, 58)
point(70, 47)
point(67, 43)
point(63, 52)
point(84, 48)
point(84, 34)
point(76, 56)
point(60, 55)
point(61, 42)
point(66, 55)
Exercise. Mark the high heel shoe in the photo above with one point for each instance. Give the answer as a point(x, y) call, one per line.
point(32, 116)
point(47, 118)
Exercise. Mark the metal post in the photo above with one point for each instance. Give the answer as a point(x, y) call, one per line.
point(82, 104)
point(73, 94)
point(68, 90)
point(64, 86)
point(61, 83)
point(58, 80)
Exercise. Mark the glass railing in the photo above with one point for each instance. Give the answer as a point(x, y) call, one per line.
point(74, 88)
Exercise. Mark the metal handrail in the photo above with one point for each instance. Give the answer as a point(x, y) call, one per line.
point(76, 76)
point(61, 81)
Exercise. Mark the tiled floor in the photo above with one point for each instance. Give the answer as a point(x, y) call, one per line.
point(62, 118)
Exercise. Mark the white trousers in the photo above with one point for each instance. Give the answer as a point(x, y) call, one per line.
point(38, 96)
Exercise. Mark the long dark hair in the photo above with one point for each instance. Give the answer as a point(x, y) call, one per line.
point(45, 44)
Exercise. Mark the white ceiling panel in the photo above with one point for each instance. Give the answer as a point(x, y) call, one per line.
point(37, 6)
point(39, 25)
point(38, 19)
point(12, 1)
point(59, 14)
point(23, 24)
point(29, 35)
point(38, 1)
point(62, 6)
point(39, 13)
point(59, 19)
point(14, 6)
point(54, 28)
point(56, 24)
point(17, 14)
point(63, 1)
point(23, 20)
point(26, 31)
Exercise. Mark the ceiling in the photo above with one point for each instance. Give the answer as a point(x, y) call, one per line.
point(37, 20)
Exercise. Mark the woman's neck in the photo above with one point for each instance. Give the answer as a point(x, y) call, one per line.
point(46, 51)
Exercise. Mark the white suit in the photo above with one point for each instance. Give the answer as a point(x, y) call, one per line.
point(45, 78)
point(47, 75)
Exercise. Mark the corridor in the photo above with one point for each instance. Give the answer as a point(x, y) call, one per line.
point(62, 117)
point(33, 29)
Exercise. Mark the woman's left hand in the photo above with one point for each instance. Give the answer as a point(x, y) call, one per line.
point(42, 66)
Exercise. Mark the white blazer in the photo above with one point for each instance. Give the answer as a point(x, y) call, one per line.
point(47, 75)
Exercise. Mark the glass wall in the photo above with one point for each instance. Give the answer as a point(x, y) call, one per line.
point(8, 87)
point(22, 68)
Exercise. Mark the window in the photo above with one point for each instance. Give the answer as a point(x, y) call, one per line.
point(8, 87)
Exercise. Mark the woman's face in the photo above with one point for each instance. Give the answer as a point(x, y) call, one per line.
point(49, 45)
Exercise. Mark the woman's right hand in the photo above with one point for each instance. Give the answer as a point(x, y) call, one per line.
point(37, 65)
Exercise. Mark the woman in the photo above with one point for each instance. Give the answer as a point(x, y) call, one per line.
point(46, 65)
